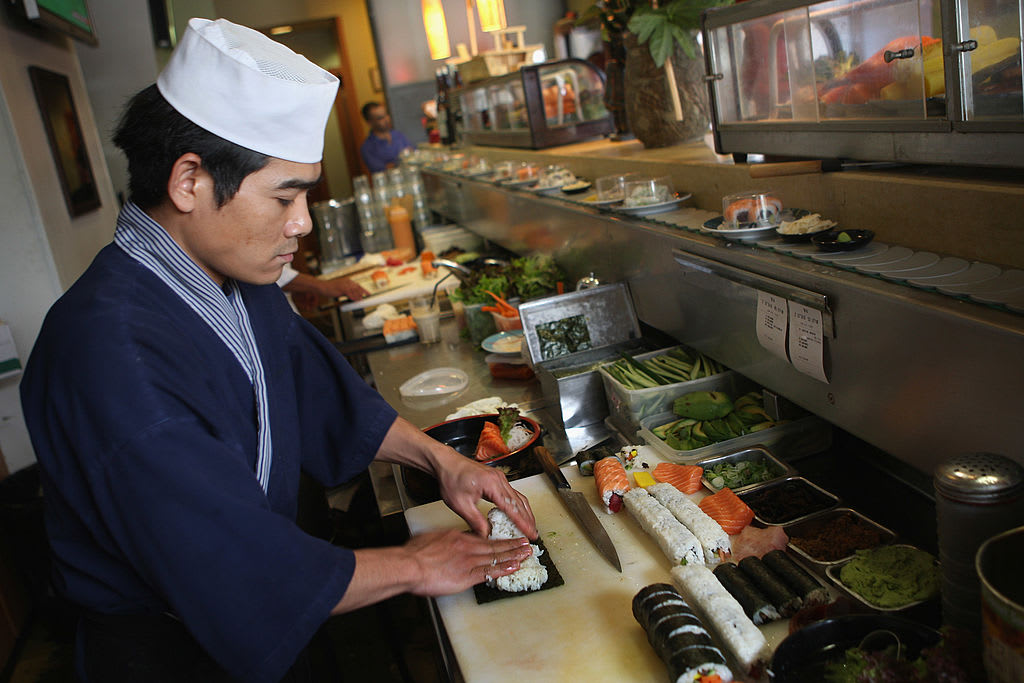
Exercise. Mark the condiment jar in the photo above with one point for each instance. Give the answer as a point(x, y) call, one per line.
point(977, 495)
point(401, 229)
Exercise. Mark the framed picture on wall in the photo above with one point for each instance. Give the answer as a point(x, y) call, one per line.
point(67, 144)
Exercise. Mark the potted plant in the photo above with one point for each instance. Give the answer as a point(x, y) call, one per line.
point(661, 48)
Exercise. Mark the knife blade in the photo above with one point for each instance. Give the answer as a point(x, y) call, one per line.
point(576, 503)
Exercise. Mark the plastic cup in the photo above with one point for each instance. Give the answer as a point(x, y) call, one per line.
point(612, 187)
point(751, 210)
point(647, 191)
point(427, 319)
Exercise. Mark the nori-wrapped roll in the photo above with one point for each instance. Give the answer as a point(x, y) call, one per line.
point(796, 577)
point(784, 599)
point(687, 662)
point(666, 645)
point(755, 603)
point(665, 610)
point(652, 596)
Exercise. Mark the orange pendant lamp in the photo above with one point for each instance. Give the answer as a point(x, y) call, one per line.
point(437, 29)
point(492, 14)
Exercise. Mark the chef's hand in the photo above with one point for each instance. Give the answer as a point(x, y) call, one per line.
point(464, 482)
point(452, 561)
point(343, 286)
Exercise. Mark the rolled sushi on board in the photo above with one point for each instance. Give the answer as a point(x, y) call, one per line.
point(796, 577)
point(758, 607)
point(612, 483)
point(531, 574)
point(713, 539)
point(706, 595)
point(675, 540)
point(784, 599)
point(677, 635)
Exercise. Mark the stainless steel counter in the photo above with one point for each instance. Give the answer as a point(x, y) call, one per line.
point(391, 367)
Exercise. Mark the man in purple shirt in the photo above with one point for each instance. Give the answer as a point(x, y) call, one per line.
point(383, 145)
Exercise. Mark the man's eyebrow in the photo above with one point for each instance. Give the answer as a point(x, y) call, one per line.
point(298, 183)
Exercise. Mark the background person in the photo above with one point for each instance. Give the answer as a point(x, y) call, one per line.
point(173, 398)
point(384, 145)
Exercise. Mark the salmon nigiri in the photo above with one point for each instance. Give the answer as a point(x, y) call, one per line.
point(686, 478)
point(726, 508)
point(612, 481)
point(490, 445)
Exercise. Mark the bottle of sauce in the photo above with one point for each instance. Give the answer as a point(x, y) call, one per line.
point(401, 230)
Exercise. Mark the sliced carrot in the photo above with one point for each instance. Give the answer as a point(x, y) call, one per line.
point(508, 310)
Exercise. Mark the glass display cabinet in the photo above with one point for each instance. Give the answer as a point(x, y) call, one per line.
point(541, 105)
point(895, 80)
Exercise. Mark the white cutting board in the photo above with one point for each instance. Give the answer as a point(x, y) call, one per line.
point(581, 631)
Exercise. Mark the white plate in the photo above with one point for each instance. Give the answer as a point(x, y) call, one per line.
point(435, 382)
point(502, 343)
point(712, 227)
point(653, 208)
point(518, 183)
point(599, 202)
point(547, 190)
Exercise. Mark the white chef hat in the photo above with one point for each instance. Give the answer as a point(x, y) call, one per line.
point(244, 87)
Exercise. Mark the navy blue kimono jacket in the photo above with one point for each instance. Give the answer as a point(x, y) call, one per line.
point(145, 429)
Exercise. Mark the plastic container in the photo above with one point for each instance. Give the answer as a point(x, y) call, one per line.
point(804, 436)
point(629, 407)
point(506, 323)
point(751, 209)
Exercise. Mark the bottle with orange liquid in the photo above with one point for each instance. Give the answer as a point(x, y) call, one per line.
point(401, 230)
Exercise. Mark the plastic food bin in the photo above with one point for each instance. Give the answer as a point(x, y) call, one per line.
point(629, 407)
point(804, 436)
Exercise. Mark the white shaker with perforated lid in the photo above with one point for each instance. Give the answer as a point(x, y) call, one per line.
point(977, 495)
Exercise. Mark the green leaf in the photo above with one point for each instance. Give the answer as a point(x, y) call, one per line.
point(644, 23)
point(662, 44)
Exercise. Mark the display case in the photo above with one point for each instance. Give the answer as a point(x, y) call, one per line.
point(541, 105)
point(893, 80)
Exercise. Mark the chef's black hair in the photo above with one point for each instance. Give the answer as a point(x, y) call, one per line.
point(153, 135)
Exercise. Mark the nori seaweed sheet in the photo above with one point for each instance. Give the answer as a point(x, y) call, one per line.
point(485, 593)
point(755, 603)
point(796, 577)
point(784, 598)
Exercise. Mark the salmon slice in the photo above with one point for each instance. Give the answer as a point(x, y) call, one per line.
point(726, 508)
point(686, 478)
point(612, 482)
point(490, 445)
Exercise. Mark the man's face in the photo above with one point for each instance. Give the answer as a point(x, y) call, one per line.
point(380, 120)
point(257, 231)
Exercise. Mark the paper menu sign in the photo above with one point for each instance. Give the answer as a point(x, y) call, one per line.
point(806, 341)
point(772, 322)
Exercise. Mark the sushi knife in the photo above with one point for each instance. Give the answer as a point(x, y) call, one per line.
point(577, 504)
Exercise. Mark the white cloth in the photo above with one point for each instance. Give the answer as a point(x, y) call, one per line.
point(246, 88)
point(287, 275)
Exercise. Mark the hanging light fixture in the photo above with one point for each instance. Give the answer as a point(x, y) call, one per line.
point(492, 15)
point(437, 29)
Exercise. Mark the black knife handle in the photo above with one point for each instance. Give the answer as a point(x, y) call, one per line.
point(550, 467)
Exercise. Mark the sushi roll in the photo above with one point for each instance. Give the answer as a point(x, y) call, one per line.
point(531, 574)
point(694, 663)
point(713, 540)
point(754, 603)
point(675, 540)
point(723, 613)
point(796, 577)
point(612, 483)
point(784, 599)
point(677, 635)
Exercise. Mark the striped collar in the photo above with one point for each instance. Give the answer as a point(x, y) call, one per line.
point(223, 310)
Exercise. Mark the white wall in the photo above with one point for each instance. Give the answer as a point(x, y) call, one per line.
point(43, 249)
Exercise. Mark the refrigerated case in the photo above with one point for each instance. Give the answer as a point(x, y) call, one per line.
point(899, 80)
point(538, 106)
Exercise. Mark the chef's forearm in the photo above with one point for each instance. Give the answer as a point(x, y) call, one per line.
point(404, 444)
point(380, 573)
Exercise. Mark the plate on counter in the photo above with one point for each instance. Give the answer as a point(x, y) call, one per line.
point(592, 200)
point(842, 240)
point(714, 227)
point(509, 343)
point(650, 209)
point(518, 183)
point(577, 187)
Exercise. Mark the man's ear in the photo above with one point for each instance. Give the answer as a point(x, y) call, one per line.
point(186, 182)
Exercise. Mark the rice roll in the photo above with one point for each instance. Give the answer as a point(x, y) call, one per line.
point(755, 604)
point(713, 540)
point(677, 635)
point(723, 614)
point(796, 577)
point(676, 541)
point(612, 483)
point(691, 663)
point(784, 598)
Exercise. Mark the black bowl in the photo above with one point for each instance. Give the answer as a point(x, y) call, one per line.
point(804, 654)
point(462, 434)
point(829, 241)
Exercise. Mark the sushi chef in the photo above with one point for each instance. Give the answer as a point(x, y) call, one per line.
point(173, 397)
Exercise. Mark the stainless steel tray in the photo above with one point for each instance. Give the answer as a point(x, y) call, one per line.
point(809, 524)
point(752, 454)
point(607, 312)
point(779, 484)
